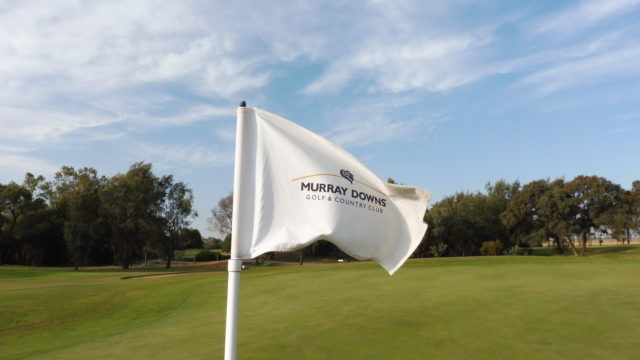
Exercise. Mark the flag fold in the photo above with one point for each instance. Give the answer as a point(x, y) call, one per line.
point(293, 187)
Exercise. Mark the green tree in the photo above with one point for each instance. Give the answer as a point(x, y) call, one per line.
point(498, 197)
point(222, 216)
point(455, 221)
point(74, 198)
point(129, 207)
point(438, 249)
point(212, 243)
point(591, 198)
point(175, 210)
point(522, 215)
point(635, 210)
point(15, 203)
point(491, 248)
point(27, 234)
point(226, 243)
point(3, 220)
point(466, 220)
point(192, 238)
point(81, 230)
point(556, 213)
point(623, 219)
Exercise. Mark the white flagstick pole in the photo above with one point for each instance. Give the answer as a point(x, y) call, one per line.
point(231, 334)
point(235, 264)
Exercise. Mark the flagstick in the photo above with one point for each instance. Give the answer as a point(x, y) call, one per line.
point(235, 264)
point(231, 334)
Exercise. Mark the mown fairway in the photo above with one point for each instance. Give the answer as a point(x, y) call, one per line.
point(471, 308)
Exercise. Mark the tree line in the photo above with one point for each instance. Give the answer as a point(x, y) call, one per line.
point(510, 218)
point(80, 218)
point(221, 220)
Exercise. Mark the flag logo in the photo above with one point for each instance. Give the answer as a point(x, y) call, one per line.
point(347, 175)
point(295, 193)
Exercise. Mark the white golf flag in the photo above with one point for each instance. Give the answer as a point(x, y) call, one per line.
point(293, 187)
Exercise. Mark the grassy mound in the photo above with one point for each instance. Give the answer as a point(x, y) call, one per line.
point(464, 308)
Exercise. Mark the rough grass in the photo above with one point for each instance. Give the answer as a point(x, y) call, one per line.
point(465, 308)
point(189, 254)
point(616, 251)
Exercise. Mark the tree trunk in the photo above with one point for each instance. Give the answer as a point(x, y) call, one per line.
point(169, 256)
point(557, 243)
point(573, 247)
point(3, 254)
point(584, 244)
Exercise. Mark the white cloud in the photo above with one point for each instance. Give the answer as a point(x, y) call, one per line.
point(93, 47)
point(70, 66)
point(25, 126)
point(370, 129)
point(181, 157)
point(35, 126)
point(106, 68)
point(370, 122)
point(585, 15)
point(431, 63)
point(14, 149)
point(603, 67)
point(227, 133)
point(13, 167)
point(190, 115)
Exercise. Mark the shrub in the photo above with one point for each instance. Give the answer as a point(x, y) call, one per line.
point(491, 248)
point(226, 243)
point(518, 250)
point(438, 249)
point(206, 255)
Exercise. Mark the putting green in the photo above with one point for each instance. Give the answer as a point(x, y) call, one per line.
point(464, 308)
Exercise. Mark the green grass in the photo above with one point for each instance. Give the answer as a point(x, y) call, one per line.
point(462, 308)
point(616, 251)
point(188, 254)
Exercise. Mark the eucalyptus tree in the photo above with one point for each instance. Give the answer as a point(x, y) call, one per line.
point(494, 204)
point(73, 196)
point(454, 221)
point(522, 215)
point(15, 203)
point(25, 224)
point(222, 216)
point(2, 216)
point(82, 227)
point(635, 211)
point(591, 197)
point(192, 238)
point(556, 214)
point(129, 206)
point(175, 210)
point(623, 219)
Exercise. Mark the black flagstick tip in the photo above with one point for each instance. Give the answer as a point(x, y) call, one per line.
point(243, 104)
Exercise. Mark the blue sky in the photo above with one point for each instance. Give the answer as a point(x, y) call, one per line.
point(446, 95)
